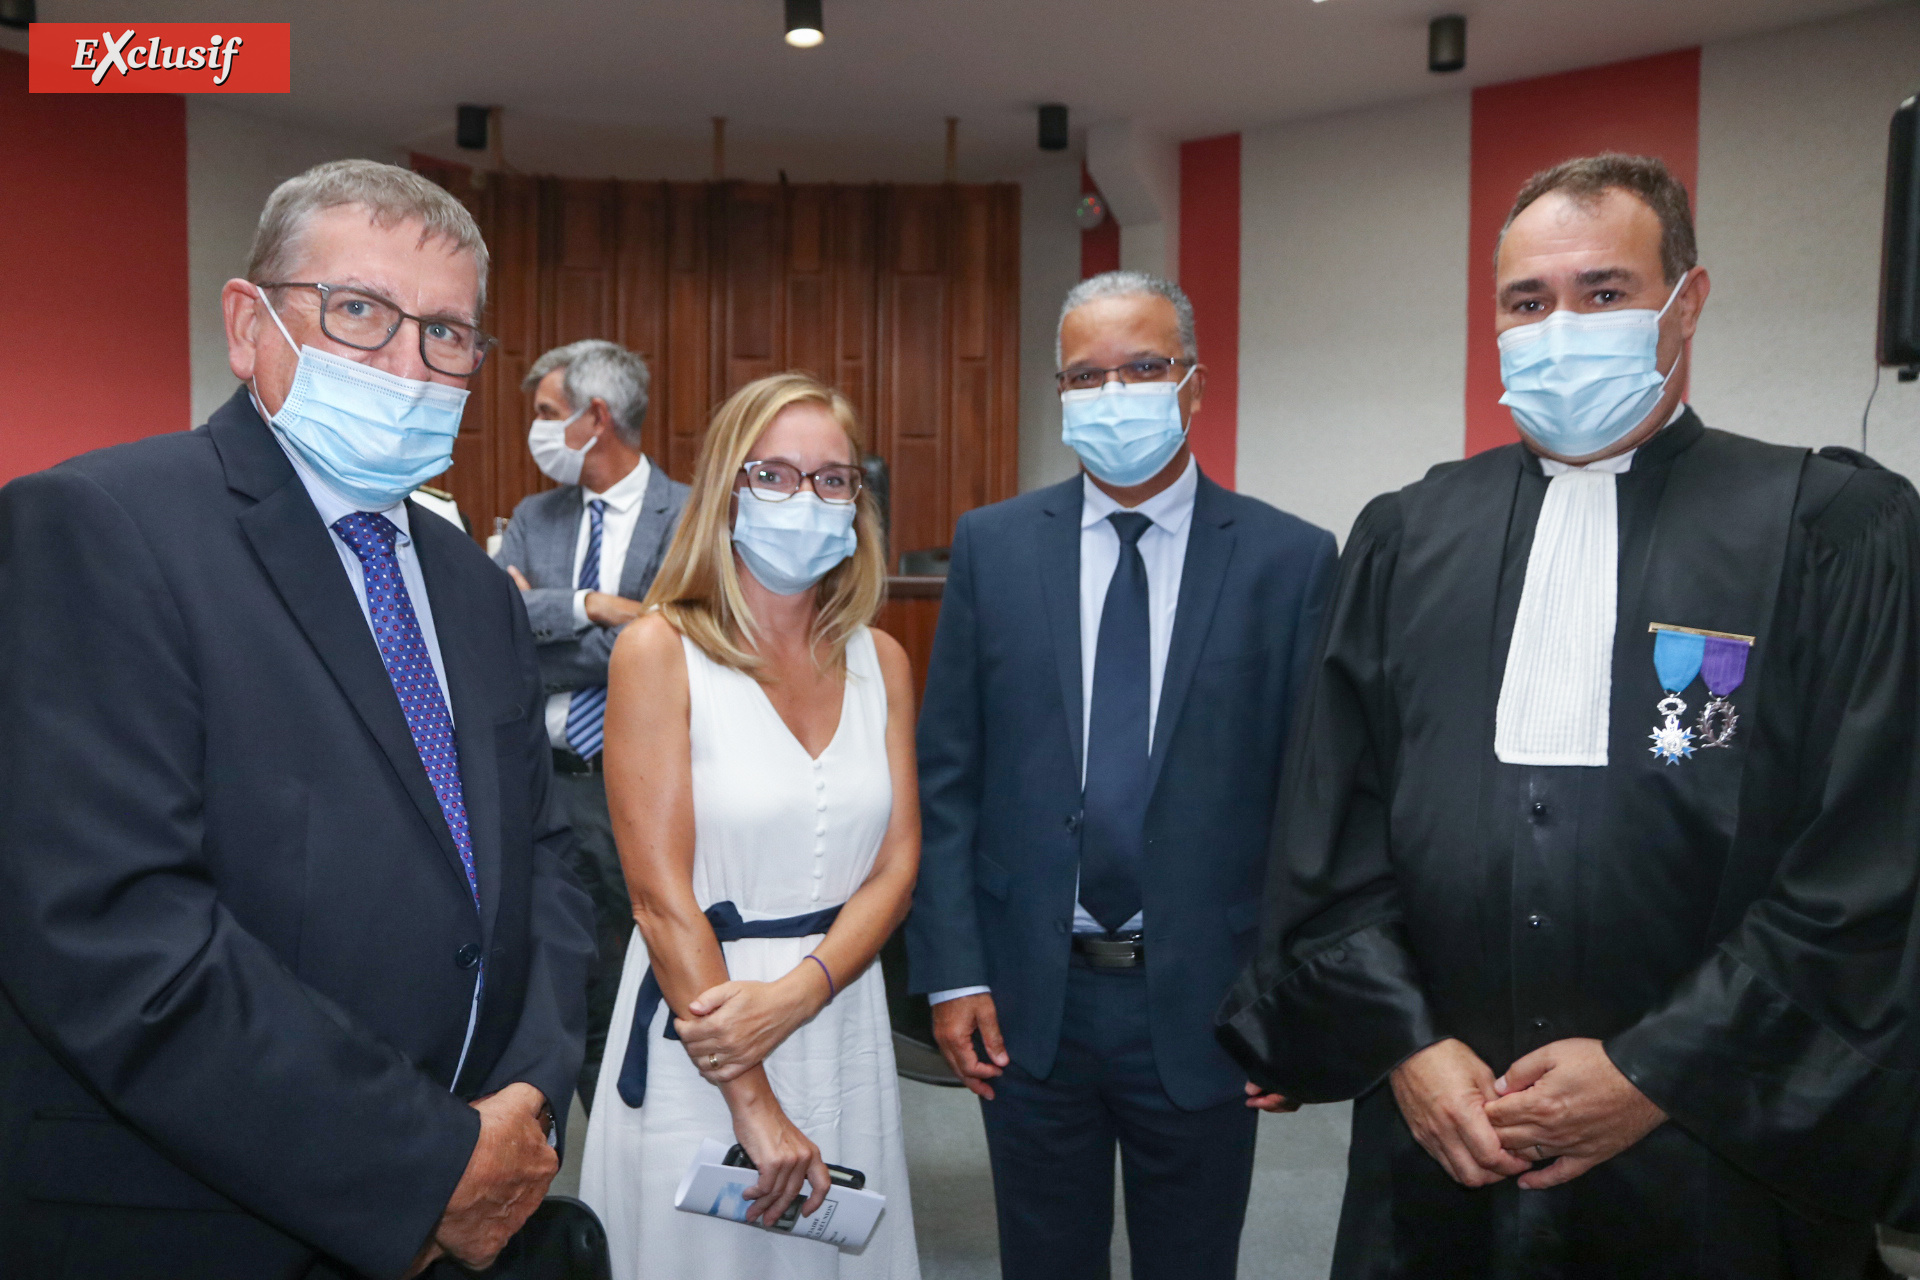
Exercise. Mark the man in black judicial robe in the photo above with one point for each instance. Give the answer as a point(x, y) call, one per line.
point(1644, 1019)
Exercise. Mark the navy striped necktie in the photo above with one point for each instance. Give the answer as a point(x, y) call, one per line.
point(587, 713)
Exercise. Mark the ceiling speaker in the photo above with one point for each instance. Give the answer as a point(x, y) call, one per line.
point(470, 128)
point(1053, 127)
point(1447, 43)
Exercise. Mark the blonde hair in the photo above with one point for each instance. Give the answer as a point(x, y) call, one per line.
point(698, 586)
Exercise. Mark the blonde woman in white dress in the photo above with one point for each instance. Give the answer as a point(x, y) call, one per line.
point(760, 773)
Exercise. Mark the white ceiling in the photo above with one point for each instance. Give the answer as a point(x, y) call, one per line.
point(627, 87)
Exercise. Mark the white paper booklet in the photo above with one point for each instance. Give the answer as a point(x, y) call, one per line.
point(846, 1219)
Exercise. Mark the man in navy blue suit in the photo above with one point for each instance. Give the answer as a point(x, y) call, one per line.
point(292, 974)
point(1100, 748)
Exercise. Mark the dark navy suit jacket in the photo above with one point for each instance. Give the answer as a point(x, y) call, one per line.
point(1000, 749)
point(237, 946)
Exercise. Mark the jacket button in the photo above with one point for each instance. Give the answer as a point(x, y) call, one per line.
point(1539, 811)
point(1073, 823)
point(467, 956)
point(1540, 1024)
point(1536, 921)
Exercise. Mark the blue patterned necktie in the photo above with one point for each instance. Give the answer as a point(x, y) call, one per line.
point(587, 713)
point(1115, 799)
point(396, 630)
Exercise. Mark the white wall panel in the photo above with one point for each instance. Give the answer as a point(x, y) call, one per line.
point(1049, 266)
point(234, 161)
point(1352, 304)
point(1793, 138)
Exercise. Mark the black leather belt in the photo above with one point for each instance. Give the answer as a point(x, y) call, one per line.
point(565, 761)
point(1126, 951)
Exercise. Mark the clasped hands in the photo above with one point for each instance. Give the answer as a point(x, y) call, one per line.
point(505, 1180)
point(729, 1031)
point(735, 1025)
point(1564, 1106)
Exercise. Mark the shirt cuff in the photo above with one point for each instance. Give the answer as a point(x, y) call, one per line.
point(580, 619)
point(954, 993)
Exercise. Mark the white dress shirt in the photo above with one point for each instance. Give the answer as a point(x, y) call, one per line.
point(616, 535)
point(1163, 547)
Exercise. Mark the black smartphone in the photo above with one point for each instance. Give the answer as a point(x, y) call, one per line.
point(840, 1175)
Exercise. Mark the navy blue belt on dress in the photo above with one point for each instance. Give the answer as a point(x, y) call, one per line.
point(727, 927)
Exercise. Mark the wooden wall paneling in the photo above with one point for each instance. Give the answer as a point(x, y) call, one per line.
point(968, 442)
point(906, 298)
point(1005, 332)
point(640, 292)
point(583, 260)
point(910, 615)
point(812, 340)
point(683, 376)
point(752, 283)
point(513, 231)
point(914, 370)
point(855, 214)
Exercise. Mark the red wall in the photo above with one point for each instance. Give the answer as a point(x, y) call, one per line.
point(1210, 274)
point(1650, 106)
point(93, 293)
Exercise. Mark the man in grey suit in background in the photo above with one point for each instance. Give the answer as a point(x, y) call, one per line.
point(584, 555)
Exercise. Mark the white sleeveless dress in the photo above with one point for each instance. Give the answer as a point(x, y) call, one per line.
point(778, 834)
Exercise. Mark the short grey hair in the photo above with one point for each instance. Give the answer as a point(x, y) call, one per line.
point(1130, 284)
point(598, 369)
point(390, 195)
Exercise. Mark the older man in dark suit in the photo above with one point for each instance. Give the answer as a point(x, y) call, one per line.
point(584, 555)
point(1106, 704)
point(293, 971)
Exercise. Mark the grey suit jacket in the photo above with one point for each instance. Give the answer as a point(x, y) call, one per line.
point(540, 542)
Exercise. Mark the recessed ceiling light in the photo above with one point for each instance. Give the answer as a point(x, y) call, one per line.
point(804, 26)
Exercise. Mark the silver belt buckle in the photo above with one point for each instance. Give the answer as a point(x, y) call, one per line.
point(1112, 953)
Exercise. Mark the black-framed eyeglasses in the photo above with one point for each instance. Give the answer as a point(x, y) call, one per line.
point(367, 322)
point(777, 481)
point(1147, 369)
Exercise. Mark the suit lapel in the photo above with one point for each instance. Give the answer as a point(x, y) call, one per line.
point(1210, 541)
point(565, 538)
point(473, 727)
point(1059, 567)
point(656, 516)
point(299, 557)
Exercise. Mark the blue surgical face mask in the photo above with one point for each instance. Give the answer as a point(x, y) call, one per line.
point(372, 435)
point(791, 544)
point(1578, 382)
point(1124, 432)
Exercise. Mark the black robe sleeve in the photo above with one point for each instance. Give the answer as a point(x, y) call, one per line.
point(1333, 1001)
point(1790, 1052)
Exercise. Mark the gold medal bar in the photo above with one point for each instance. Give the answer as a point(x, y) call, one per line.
point(1696, 631)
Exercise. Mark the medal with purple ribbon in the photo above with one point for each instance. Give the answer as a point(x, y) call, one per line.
point(1680, 654)
point(1723, 666)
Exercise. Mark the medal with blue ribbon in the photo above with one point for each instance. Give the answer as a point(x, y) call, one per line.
point(1680, 654)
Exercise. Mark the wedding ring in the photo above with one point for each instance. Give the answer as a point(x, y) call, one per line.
point(1539, 1153)
point(713, 1060)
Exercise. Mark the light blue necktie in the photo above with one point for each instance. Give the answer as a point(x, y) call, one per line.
point(587, 713)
